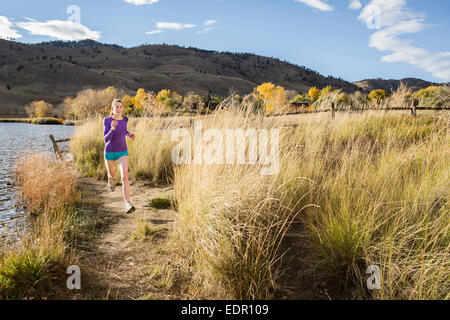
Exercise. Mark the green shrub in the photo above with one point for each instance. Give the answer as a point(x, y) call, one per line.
point(162, 202)
point(21, 272)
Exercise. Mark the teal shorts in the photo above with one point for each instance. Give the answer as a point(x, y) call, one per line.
point(113, 156)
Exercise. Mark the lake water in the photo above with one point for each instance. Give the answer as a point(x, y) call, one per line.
point(16, 140)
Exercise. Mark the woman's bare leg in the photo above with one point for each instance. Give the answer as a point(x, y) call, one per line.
point(123, 167)
point(111, 167)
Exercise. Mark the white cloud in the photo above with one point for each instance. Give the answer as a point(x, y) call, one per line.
point(6, 30)
point(204, 30)
point(141, 2)
point(154, 32)
point(318, 4)
point(209, 22)
point(59, 29)
point(174, 25)
point(396, 18)
point(355, 5)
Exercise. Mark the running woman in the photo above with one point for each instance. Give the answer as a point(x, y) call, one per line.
point(115, 133)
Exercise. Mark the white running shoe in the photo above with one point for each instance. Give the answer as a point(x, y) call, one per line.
point(129, 208)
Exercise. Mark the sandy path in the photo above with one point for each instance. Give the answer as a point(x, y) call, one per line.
point(115, 266)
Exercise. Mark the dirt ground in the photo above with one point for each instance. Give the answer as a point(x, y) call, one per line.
point(116, 266)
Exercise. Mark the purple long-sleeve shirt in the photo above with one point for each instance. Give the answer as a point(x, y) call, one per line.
point(115, 139)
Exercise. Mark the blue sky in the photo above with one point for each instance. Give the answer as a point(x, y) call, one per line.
point(351, 39)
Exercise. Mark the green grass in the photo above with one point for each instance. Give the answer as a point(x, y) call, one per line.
point(161, 202)
point(28, 269)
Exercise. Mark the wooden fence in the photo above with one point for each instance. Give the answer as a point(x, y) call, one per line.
point(58, 152)
point(413, 109)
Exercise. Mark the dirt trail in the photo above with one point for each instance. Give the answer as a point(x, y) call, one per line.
point(115, 266)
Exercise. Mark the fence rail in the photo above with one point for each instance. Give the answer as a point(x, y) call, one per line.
point(58, 151)
point(333, 111)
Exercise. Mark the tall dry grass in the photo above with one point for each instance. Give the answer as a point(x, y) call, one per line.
point(48, 192)
point(368, 189)
point(232, 220)
point(371, 190)
point(381, 185)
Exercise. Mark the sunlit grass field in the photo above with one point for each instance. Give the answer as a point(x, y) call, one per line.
point(368, 189)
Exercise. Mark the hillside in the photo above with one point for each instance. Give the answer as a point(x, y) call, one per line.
point(392, 85)
point(54, 70)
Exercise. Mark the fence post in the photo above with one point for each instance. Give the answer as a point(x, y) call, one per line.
point(332, 110)
point(55, 147)
point(413, 107)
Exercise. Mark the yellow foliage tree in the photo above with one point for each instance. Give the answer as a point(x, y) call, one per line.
point(139, 100)
point(426, 92)
point(38, 109)
point(314, 94)
point(127, 104)
point(89, 103)
point(169, 99)
point(378, 95)
point(274, 98)
point(325, 90)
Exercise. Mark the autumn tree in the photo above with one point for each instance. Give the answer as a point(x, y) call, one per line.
point(273, 97)
point(425, 92)
point(90, 103)
point(139, 100)
point(169, 99)
point(128, 104)
point(300, 98)
point(378, 95)
point(314, 94)
point(38, 109)
point(325, 90)
point(433, 96)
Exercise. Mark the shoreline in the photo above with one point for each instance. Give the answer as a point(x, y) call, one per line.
point(21, 120)
point(47, 121)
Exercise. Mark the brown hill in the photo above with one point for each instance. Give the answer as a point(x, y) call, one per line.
point(392, 85)
point(54, 70)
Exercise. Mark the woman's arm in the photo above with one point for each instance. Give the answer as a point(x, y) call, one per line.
point(108, 132)
point(130, 135)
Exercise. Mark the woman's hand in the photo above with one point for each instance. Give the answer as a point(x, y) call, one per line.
point(114, 124)
point(132, 136)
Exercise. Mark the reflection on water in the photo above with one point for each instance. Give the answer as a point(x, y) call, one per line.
point(18, 139)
